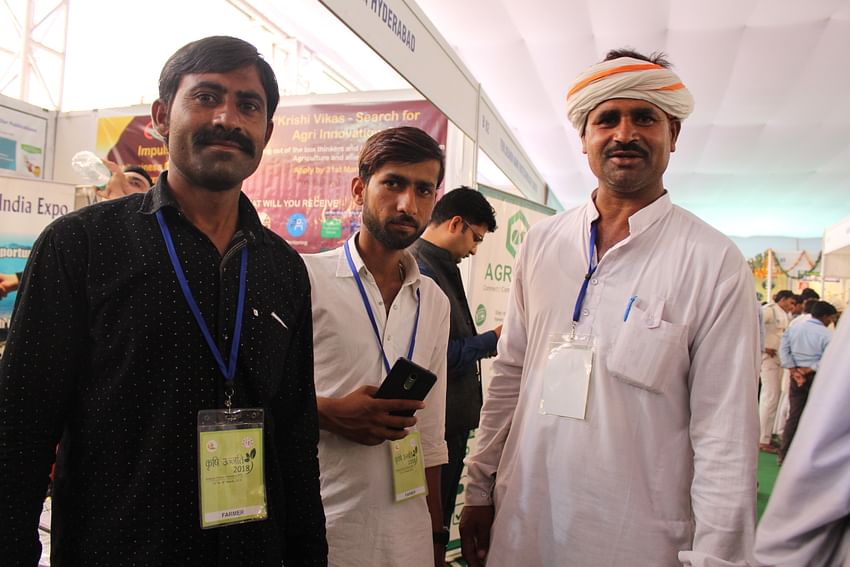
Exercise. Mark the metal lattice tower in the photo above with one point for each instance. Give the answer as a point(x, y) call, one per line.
point(33, 38)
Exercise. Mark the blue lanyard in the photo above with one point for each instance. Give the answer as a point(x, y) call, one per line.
point(369, 312)
point(590, 269)
point(229, 370)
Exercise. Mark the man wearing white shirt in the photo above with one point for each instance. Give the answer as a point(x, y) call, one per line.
point(775, 320)
point(619, 426)
point(371, 307)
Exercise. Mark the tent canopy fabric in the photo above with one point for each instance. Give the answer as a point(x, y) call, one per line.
point(765, 151)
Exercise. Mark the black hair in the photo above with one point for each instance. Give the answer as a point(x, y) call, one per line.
point(216, 54)
point(405, 145)
point(782, 294)
point(822, 309)
point(656, 57)
point(809, 293)
point(466, 203)
point(808, 303)
point(140, 170)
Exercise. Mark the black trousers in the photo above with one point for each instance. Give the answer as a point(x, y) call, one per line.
point(451, 473)
point(797, 397)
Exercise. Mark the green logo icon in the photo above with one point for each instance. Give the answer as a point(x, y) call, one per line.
point(517, 228)
point(331, 228)
point(480, 315)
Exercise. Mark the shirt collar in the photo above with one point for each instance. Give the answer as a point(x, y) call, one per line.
point(441, 253)
point(642, 219)
point(161, 195)
point(411, 269)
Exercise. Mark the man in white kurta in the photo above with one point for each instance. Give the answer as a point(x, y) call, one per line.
point(775, 320)
point(661, 469)
point(365, 526)
point(807, 520)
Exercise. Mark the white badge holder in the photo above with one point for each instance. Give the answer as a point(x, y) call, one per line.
point(566, 377)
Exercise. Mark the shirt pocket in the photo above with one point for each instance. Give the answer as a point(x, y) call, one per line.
point(648, 349)
point(265, 341)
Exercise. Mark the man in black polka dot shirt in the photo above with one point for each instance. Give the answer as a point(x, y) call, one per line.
point(105, 353)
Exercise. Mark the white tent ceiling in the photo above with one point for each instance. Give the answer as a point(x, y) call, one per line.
point(767, 149)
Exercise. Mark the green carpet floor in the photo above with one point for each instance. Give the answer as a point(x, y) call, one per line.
point(767, 473)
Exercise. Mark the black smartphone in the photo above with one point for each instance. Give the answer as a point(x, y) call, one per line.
point(406, 381)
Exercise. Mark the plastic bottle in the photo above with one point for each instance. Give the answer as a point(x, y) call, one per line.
point(90, 168)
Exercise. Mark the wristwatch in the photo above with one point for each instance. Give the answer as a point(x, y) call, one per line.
point(441, 537)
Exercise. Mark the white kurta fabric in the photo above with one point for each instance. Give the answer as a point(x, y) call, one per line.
point(807, 520)
point(770, 418)
point(775, 322)
point(365, 527)
point(665, 462)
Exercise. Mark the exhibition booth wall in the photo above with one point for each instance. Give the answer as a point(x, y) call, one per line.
point(836, 260)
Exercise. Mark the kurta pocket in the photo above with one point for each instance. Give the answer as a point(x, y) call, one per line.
point(648, 349)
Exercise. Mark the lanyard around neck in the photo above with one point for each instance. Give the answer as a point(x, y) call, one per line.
point(228, 370)
point(371, 315)
point(590, 269)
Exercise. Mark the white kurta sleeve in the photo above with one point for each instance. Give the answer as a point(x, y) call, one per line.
point(772, 331)
point(502, 395)
point(805, 523)
point(724, 425)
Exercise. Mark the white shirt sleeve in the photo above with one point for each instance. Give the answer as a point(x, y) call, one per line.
point(432, 419)
point(773, 327)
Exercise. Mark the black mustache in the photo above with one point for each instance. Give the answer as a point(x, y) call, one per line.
point(404, 219)
point(633, 147)
point(211, 135)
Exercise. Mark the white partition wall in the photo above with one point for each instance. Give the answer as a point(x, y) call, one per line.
point(836, 260)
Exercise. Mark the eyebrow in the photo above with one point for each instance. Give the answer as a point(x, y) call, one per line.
point(220, 89)
point(639, 111)
point(407, 181)
point(646, 110)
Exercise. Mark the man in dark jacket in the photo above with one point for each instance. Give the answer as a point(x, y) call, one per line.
point(458, 225)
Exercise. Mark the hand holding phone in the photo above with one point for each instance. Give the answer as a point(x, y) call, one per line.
point(406, 381)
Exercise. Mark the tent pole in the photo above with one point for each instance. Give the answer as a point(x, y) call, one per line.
point(769, 275)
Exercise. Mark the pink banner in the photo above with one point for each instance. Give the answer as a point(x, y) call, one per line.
point(302, 189)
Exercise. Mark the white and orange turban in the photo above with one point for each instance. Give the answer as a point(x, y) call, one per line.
point(626, 77)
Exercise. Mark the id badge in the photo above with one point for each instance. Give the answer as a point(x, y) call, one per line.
point(230, 465)
point(566, 377)
point(408, 467)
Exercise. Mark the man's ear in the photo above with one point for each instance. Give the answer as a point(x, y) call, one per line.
point(358, 191)
point(583, 143)
point(269, 130)
point(675, 128)
point(455, 224)
point(159, 117)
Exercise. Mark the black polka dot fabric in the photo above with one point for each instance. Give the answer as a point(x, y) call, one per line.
point(104, 353)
